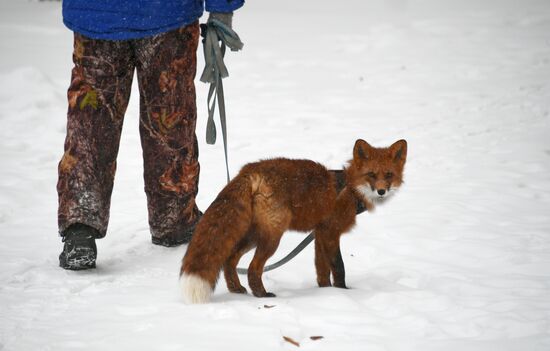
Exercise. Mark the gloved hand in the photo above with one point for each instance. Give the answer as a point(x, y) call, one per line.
point(225, 18)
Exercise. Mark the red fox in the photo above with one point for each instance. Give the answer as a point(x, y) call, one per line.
point(270, 197)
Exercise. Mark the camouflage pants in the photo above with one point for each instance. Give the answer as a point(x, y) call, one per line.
point(98, 97)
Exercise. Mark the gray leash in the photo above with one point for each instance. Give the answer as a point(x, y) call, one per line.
point(215, 70)
point(285, 259)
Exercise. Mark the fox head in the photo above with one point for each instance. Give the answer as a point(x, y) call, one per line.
point(376, 173)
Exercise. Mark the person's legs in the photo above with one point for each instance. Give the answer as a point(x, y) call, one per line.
point(166, 67)
point(98, 96)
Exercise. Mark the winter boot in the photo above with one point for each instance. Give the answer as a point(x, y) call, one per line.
point(176, 240)
point(80, 251)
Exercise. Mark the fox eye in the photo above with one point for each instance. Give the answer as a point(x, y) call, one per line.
point(388, 175)
point(371, 175)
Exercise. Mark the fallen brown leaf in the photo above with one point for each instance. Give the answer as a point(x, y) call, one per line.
point(316, 337)
point(292, 341)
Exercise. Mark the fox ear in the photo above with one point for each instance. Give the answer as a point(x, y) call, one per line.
point(360, 150)
point(399, 150)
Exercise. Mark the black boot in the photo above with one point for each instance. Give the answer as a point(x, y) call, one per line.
point(181, 238)
point(80, 251)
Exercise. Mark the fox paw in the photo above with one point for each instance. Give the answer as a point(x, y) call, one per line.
point(238, 290)
point(265, 294)
point(340, 285)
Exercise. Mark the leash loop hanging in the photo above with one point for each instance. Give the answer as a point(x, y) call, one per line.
point(216, 37)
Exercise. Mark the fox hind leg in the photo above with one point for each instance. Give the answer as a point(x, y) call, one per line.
point(263, 252)
point(230, 266)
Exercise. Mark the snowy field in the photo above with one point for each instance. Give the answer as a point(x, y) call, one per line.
point(458, 260)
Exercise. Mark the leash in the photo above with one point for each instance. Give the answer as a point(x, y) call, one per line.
point(214, 32)
point(359, 208)
point(287, 258)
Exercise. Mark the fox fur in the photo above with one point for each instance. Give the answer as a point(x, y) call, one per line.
point(269, 197)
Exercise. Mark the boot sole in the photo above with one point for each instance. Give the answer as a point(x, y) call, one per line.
point(79, 260)
point(169, 242)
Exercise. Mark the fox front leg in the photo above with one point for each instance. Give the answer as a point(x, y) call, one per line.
point(322, 265)
point(328, 259)
point(338, 270)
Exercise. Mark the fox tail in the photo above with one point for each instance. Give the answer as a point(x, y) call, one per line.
point(222, 226)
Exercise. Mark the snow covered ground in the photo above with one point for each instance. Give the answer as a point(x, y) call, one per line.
point(458, 260)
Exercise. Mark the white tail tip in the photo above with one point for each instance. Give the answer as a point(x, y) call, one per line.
point(195, 289)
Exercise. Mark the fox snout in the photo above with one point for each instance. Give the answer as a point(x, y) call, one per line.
point(382, 193)
point(375, 195)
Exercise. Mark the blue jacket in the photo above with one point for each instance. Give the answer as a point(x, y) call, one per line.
point(132, 19)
